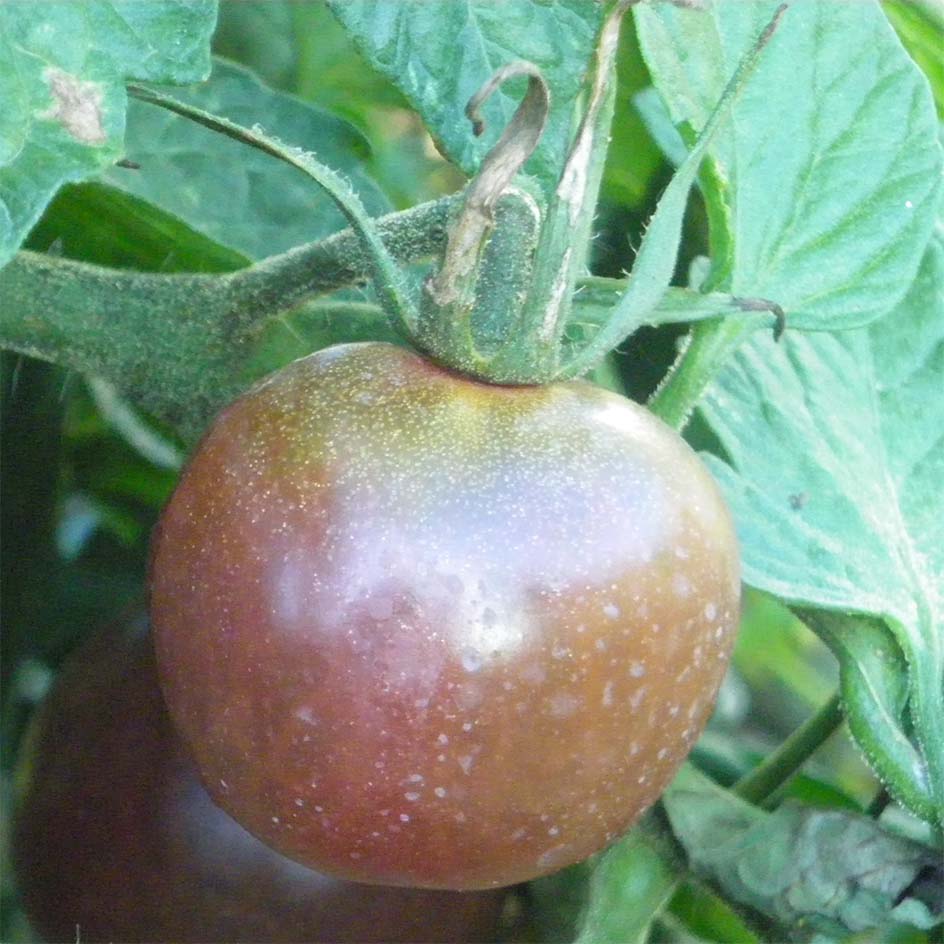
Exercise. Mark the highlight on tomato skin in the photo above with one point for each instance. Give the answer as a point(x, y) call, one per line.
point(116, 840)
point(422, 630)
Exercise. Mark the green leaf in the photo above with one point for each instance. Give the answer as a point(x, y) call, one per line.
point(296, 333)
point(630, 884)
point(633, 158)
point(613, 897)
point(708, 916)
point(239, 197)
point(920, 26)
point(836, 465)
point(655, 116)
point(62, 69)
point(815, 873)
point(440, 54)
point(823, 187)
point(97, 223)
point(874, 681)
point(260, 34)
point(302, 48)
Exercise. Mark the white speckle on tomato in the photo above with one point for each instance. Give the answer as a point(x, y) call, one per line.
point(563, 704)
point(472, 660)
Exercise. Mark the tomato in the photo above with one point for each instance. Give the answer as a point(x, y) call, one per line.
point(422, 630)
point(117, 841)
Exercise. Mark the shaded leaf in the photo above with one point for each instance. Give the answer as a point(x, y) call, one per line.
point(261, 34)
point(823, 188)
point(708, 916)
point(310, 327)
point(631, 883)
point(440, 54)
point(613, 897)
point(62, 69)
point(239, 197)
point(97, 223)
point(816, 873)
point(836, 463)
point(633, 158)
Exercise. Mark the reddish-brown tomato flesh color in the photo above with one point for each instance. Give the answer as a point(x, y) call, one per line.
point(422, 630)
point(116, 840)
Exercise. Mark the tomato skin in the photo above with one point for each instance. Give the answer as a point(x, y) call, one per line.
point(422, 630)
point(117, 837)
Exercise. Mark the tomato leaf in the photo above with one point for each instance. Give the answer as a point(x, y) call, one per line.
point(62, 69)
point(919, 24)
point(822, 189)
point(239, 197)
point(630, 884)
point(633, 159)
point(655, 116)
point(708, 917)
point(615, 895)
point(836, 464)
point(315, 325)
point(415, 45)
point(874, 681)
point(100, 224)
point(817, 873)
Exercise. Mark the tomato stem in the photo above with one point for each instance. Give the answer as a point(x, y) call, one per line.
point(706, 349)
point(780, 765)
point(454, 283)
point(390, 282)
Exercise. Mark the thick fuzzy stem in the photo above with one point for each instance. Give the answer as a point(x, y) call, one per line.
point(390, 283)
point(175, 344)
point(448, 327)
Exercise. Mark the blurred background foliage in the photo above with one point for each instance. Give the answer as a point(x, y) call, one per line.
point(84, 478)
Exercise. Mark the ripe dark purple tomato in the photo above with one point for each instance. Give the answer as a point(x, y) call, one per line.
point(422, 630)
point(116, 840)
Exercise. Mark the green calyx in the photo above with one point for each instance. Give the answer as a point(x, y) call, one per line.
point(509, 302)
point(500, 306)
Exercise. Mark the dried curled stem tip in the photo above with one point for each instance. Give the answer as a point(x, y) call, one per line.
point(520, 136)
point(764, 304)
point(469, 231)
point(512, 70)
